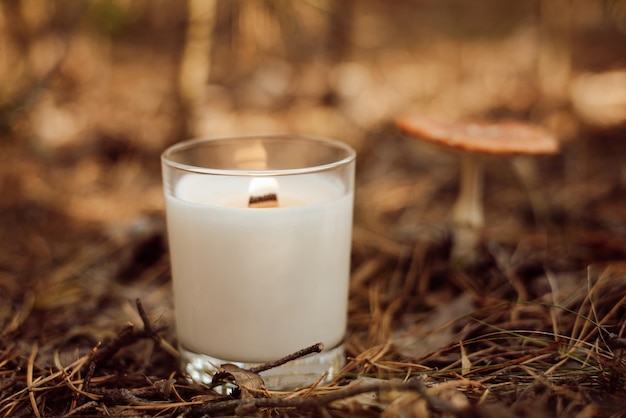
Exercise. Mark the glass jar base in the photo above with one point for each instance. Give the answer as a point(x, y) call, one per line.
point(297, 373)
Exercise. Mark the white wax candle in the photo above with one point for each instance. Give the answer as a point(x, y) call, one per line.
point(255, 284)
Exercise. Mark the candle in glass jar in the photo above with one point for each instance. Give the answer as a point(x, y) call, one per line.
point(254, 284)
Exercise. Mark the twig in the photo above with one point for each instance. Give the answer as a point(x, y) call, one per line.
point(119, 396)
point(83, 407)
point(147, 327)
point(90, 372)
point(250, 405)
point(126, 337)
point(315, 348)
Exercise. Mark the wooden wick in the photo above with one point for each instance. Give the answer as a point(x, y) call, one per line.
point(269, 200)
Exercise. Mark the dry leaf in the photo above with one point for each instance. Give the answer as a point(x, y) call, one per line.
point(250, 384)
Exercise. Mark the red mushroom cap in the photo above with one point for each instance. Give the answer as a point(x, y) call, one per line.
point(507, 137)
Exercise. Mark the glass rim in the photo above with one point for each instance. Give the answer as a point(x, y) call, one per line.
point(190, 143)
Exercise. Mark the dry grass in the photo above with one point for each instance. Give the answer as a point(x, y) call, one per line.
point(426, 338)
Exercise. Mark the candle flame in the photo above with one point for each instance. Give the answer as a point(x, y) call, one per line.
point(263, 192)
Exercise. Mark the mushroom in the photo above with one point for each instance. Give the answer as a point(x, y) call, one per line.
point(471, 140)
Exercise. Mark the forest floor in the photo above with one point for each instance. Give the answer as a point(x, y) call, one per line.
point(535, 326)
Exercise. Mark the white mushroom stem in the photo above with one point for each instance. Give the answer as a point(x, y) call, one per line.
point(467, 213)
point(468, 210)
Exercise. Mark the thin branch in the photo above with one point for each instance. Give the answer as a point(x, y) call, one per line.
point(127, 336)
point(251, 405)
point(316, 348)
point(84, 407)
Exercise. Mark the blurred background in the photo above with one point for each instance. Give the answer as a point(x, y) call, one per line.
point(91, 92)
